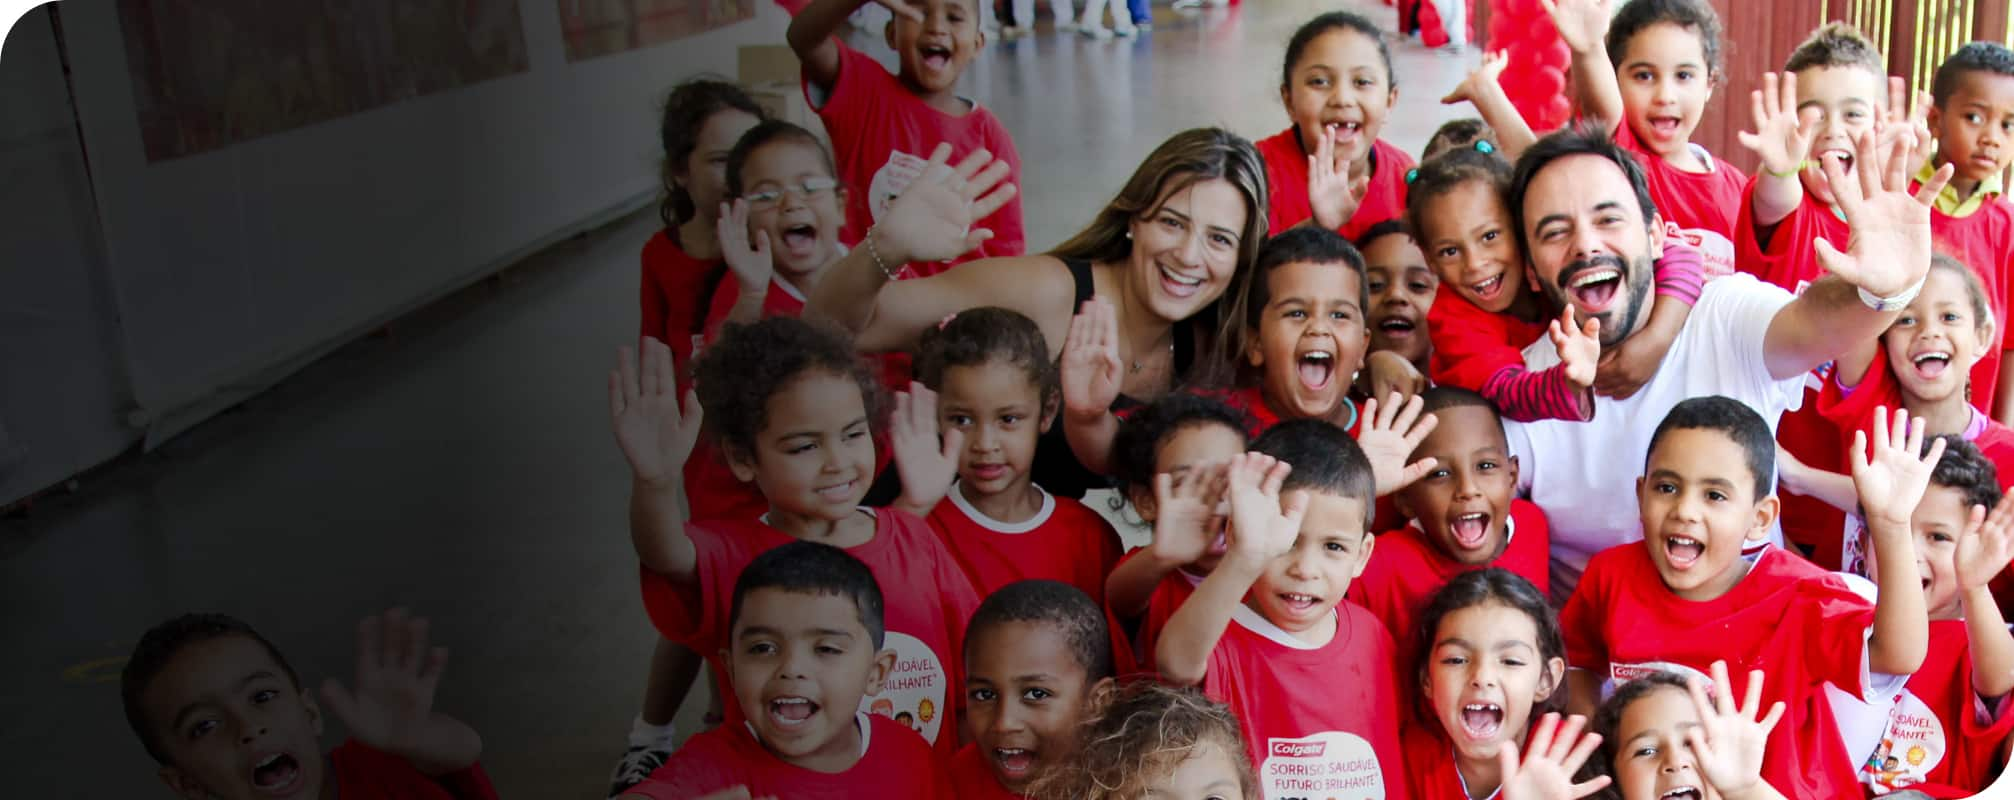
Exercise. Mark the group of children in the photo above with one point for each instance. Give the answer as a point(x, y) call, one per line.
point(1345, 594)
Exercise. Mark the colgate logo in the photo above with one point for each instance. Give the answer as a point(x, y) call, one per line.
point(1299, 749)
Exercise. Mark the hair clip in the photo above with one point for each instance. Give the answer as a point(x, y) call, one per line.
point(1412, 175)
point(1484, 146)
point(946, 320)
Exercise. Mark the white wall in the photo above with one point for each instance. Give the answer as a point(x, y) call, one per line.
point(228, 269)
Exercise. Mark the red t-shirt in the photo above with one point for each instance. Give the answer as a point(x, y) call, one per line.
point(1168, 597)
point(1943, 736)
point(1800, 624)
point(1984, 241)
point(1472, 345)
point(927, 600)
point(364, 771)
point(1698, 207)
point(1406, 569)
point(882, 135)
point(1318, 722)
point(1065, 541)
point(893, 763)
point(672, 284)
point(1287, 185)
point(1787, 258)
point(974, 780)
point(1430, 764)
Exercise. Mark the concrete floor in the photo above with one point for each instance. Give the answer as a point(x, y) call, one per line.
point(463, 466)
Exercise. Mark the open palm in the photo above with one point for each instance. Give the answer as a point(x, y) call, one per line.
point(1889, 247)
point(392, 697)
point(643, 409)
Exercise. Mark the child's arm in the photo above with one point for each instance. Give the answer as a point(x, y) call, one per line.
point(391, 706)
point(1781, 139)
point(926, 465)
point(1583, 25)
point(748, 261)
point(1483, 91)
point(1830, 488)
point(1891, 481)
point(2003, 395)
point(1475, 350)
point(1389, 435)
point(1680, 279)
point(1260, 531)
point(1185, 514)
point(1728, 743)
point(656, 440)
point(1984, 548)
point(811, 31)
point(1557, 392)
point(1091, 371)
point(1552, 760)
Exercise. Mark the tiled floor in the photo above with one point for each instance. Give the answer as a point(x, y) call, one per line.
point(463, 466)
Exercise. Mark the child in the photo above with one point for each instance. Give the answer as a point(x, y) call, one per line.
point(1038, 665)
point(884, 126)
point(1401, 288)
point(1661, 738)
point(1485, 312)
point(782, 229)
point(1972, 118)
point(1489, 655)
point(1952, 712)
point(1269, 631)
point(224, 715)
point(997, 390)
point(1169, 458)
point(1468, 132)
point(1686, 596)
point(793, 412)
point(1666, 60)
point(1329, 165)
point(1157, 742)
point(1464, 515)
point(805, 647)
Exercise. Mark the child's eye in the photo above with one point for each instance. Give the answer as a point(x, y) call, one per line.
point(1318, 82)
point(264, 696)
point(1641, 75)
point(958, 420)
point(1942, 538)
point(1295, 314)
point(1644, 752)
point(1950, 317)
point(829, 650)
point(852, 436)
point(1454, 661)
point(1342, 316)
point(1513, 662)
point(1335, 547)
point(1972, 117)
point(1378, 287)
point(1365, 83)
point(980, 695)
point(1491, 235)
point(1447, 252)
point(1420, 287)
point(1664, 488)
point(1486, 465)
point(1716, 496)
point(802, 448)
point(1037, 695)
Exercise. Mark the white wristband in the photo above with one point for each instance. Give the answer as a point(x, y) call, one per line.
point(1891, 303)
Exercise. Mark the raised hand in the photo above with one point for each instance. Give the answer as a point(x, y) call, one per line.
point(1892, 478)
point(750, 263)
point(1480, 82)
point(1390, 373)
point(1333, 195)
point(1986, 545)
point(1185, 512)
point(1091, 368)
point(1782, 137)
point(1389, 434)
point(1552, 758)
point(393, 698)
point(643, 410)
point(932, 219)
point(1579, 347)
point(1889, 248)
point(926, 464)
point(1728, 743)
point(902, 8)
point(1912, 119)
point(1581, 23)
point(1260, 528)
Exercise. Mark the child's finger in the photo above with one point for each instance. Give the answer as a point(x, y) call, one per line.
point(973, 162)
point(1723, 689)
point(1276, 476)
point(1751, 701)
point(1936, 453)
point(625, 368)
point(1769, 720)
point(340, 701)
point(1542, 736)
point(1293, 509)
point(694, 413)
point(1582, 750)
point(1927, 194)
point(1417, 470)
point(1702, 749)
point(1588, 787)
point(436, 662)
point(368, 645)
point(994, 200)
point(1696, 690)
point(1165, 487)
point(416, 645)
point(1568, 736)
point(954, 441)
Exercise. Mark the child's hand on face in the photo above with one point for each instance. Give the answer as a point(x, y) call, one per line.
point(1552, 758)
point(1582, 24)
point(1185, 508)
point(1728, 743)
point(1261, 529)
point(1091, 369)
point(1986, 545)
point(643, 410)
point(1333, 195)
point(750, 263)
point(927, 464)
point(1889, 249)
point(1390, 433)
point(1781, 137)
point(393, 698)
point(1891, 480)
point(932, 219)
point(1481, 82)
point(1579, 347)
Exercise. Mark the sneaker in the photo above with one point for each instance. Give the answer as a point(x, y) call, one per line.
point(1127, 31)
point(1143, 26)
point(1012, 32)
point(636, 765)
point(1098, 32)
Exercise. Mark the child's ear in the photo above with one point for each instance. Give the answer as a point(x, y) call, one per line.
point(1934, 120)
point(1392, 100)
point(1370, 543)
point(1143, 502)
point(840, 193)
point(1253, 354)
point(1986, 329)
point(877, 675)
point(314, 711)
point(182, 783)
point(739, 461)
point(888, 34)
point(1549, 680)
point(1405, 506)
point(1656, 235)
point(1287, 96)
point(1765, 513)
point(1513, 476)
point(1101, 695)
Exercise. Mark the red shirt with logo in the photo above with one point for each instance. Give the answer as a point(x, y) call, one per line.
point(1698, 208)
point(1799, 624)
point(1065, 541)
point(927, 601)
point(1942, 737)
point(882, 135)
point(893, 763)
point(1318, 721)
point(1287, 185)
point(975, 780)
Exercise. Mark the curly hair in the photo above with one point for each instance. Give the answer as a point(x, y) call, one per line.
point(1144, 734)
point(1991, 58)
point(981, 335)
point(1137, 446)
point(738, 373)
point(686, 111)
point(160, 645)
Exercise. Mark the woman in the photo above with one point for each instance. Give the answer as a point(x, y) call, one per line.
point(1158, 256)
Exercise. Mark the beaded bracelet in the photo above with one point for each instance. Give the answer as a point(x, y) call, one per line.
point(875, 253)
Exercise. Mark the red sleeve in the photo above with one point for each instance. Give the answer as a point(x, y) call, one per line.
point(1009, 238)
point(1527, 396)
point(1470, 344)
point(1749, 247)
point(696, 616)
point(1852, 408)
point(851, 93)
point(1585, 615)
point(1833, 621)
point(701, 766)
point(1681, 272)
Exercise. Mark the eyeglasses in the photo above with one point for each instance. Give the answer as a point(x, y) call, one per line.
point(765, 199)
point(1480, 146)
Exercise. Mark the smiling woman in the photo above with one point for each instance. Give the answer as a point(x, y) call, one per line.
point(1157, 258)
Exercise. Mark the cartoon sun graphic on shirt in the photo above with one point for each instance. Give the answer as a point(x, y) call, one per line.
point(926, 710)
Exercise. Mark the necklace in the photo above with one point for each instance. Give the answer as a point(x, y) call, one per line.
point(1137, 366)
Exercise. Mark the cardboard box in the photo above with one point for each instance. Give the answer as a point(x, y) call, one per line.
point(767, 63)
point(771, 76)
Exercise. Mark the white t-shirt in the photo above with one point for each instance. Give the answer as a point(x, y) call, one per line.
point(1584, 473)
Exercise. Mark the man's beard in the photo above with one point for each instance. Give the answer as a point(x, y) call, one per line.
point(1636, 280)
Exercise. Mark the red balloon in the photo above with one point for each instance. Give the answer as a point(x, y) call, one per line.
point(1557, 110)
point(1549, 81)
point(1556, 53)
